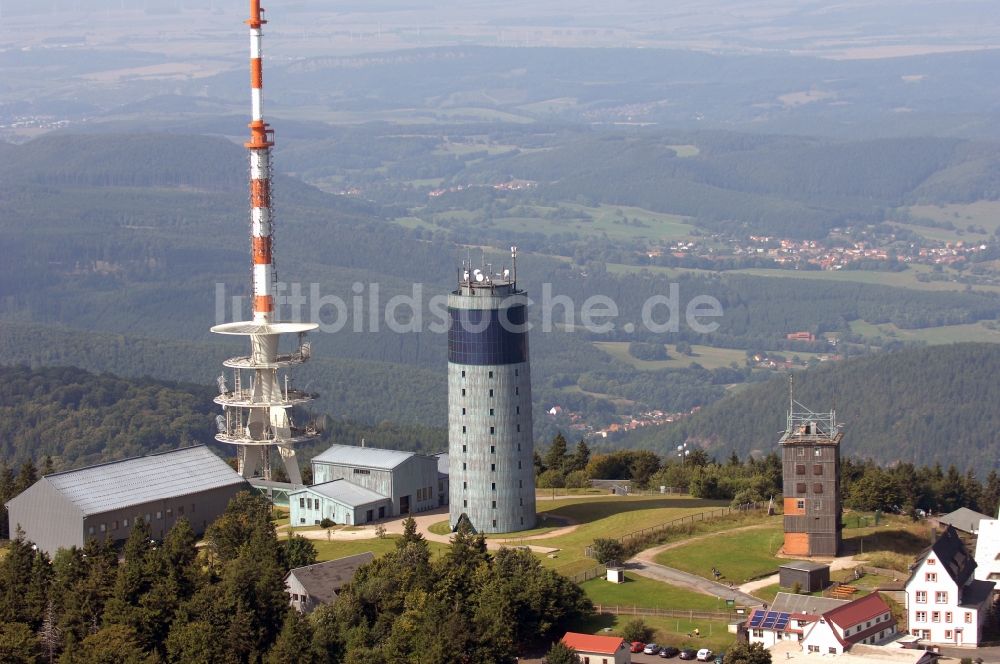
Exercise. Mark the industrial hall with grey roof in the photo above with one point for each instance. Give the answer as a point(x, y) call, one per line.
point(105, 501)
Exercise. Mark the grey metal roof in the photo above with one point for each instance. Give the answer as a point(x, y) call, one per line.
point(344, 492)
point(964, 519)
point(792, 603)
point(323, 580)
point(366, 457)
point(804, 565)
point(118, 484)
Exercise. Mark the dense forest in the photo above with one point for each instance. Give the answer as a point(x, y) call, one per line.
point(927, 405)
point(172, 602)
point(69, 418)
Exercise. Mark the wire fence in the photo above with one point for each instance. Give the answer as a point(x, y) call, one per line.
point(690, 518)
point(650, 533)
point(623, 610)
point(595, 572)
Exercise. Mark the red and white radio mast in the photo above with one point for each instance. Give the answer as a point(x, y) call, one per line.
point(257, 405)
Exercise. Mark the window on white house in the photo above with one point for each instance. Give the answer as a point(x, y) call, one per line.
point(921, 597)
point(947, 616)
point(935, 616)
point(947, 633)
point(930, 576)
point(921, 616)
point(941, 597)
point(968, 617)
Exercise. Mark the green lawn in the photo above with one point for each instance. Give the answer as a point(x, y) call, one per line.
point(668, 631)
point(544, 525)
point(648, 594)
point(739, 556)
point(615, 516)
point(378, 546)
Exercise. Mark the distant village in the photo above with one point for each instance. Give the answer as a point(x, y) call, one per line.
point(839, 252)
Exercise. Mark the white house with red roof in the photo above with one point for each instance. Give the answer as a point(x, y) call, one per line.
point(788, 618)
point(593, 649)
point(945, 603)
point(865, 620)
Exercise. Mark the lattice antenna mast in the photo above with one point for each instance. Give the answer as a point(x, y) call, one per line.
point(257, 411)
point(801, 420)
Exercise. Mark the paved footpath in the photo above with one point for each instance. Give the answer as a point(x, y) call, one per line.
point(676, 577)
point(644, 564)
point(424, 520)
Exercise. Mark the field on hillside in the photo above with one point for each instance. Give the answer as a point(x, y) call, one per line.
point(945, 334)
point(905, 279)
point(980, 213)
point(706, 356)
point(613, 221)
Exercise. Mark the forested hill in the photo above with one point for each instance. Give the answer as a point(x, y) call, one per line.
point(926, 405)
point(80, 418)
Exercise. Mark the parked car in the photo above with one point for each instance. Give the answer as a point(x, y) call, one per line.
point(669, 651)
point(705, 655)
point(688, 653)
point(637, 646)
point(720, 658)
point(651, 649)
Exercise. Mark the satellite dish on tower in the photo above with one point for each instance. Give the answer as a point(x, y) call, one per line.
point(479, 275)
point(220, 423)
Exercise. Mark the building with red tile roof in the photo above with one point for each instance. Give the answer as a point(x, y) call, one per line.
point(592, 649)
point(865, 620)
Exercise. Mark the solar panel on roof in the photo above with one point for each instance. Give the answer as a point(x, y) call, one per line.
point(756, 619)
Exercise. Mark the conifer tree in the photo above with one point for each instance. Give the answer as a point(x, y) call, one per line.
point(294, 643)
point(555, 458)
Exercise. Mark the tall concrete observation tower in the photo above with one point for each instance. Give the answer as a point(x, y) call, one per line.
point(258, 402)
point(490, 445)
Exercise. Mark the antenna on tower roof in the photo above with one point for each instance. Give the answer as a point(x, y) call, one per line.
point(791, 392)
point(513, 264)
